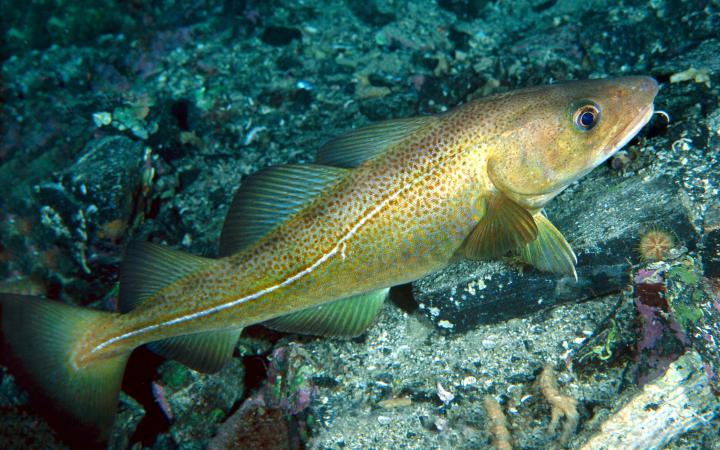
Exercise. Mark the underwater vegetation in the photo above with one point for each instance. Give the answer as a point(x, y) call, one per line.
point(131, 122)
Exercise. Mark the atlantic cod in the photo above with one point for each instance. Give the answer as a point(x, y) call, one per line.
point(314, 248)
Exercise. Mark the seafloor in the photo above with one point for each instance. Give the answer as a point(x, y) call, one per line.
point(139, 120)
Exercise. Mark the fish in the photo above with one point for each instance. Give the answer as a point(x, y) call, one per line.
point(315, 248)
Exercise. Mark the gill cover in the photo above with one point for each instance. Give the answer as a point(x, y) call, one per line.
point(555, 134)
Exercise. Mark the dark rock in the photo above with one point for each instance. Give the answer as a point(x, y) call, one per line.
point(705, 51)
point(425, 61)
point(302, 98)
point(87, 208)
point(543, 5)
point(381, 81)
point(196, 402)
point(627, 44)
point(376, 109)
point(129, 416)
point(287, 62)
point(20, 429)
point(711, 252)
point(465, 9)
point(180, 111)
point(442, 92)
point(369, 12)
point(280, 36)
point(459, 38)
point(257, 428)
point(603, 223)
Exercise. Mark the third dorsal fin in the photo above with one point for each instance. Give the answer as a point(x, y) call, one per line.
point(149, 267)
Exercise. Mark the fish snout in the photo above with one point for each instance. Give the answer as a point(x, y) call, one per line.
point(647, 87)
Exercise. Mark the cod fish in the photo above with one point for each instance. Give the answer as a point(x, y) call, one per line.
point(314, 248)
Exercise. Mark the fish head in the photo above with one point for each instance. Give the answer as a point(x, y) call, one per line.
point(553, 135)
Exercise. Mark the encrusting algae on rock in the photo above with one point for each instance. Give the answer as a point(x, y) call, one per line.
point(315, 248)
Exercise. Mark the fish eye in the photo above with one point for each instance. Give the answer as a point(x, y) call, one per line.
point(586, 116)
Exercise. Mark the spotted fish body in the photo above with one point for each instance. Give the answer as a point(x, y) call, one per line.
point(386, 223)
point(385, 205)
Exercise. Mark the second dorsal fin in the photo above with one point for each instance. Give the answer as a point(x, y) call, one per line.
point(270, 196)
point(357, 146)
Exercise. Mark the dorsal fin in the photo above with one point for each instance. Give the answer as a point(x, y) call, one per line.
point(347, 317)
point(149, 267)
point(357, 146)
point(504, 226)
point(268, 197)
point(550, 251)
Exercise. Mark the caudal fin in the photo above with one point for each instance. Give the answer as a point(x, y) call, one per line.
point(41, 336)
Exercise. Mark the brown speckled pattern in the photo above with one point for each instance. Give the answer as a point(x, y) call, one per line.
point(392, 220)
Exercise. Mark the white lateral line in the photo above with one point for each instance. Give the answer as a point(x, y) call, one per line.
point(223, 306)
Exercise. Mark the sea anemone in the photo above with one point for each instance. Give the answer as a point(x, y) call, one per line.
point(655, 245)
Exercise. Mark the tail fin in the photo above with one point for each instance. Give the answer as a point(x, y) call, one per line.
point(42, 336)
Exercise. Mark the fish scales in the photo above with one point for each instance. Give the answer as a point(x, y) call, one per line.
point(389, 222)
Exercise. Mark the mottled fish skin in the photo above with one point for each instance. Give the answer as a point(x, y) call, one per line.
point(399, 216)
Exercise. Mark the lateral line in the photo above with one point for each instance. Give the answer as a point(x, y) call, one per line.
point(217, 308)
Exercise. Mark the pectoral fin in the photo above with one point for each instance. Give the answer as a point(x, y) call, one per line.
point(504, 226)
point(347, 317)
point(549, 251)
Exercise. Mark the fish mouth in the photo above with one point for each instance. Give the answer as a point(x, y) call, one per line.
point(629, 132)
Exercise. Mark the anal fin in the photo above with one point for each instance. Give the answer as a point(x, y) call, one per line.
point(205, 352)
point(347, 317)
point(550, 251)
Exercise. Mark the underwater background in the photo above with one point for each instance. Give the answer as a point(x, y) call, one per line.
point(139, 120)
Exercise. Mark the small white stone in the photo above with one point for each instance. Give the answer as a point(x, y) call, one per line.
point(444, 395)
point(102, 118)
point(384, 420)
point(441, 423)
